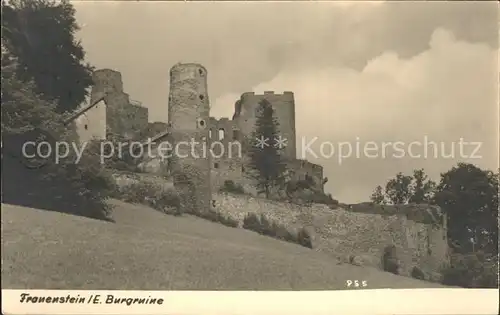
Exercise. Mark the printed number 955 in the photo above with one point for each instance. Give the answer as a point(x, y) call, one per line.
point(356, 283)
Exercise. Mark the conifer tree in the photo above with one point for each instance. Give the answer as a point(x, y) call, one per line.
point(265, 155)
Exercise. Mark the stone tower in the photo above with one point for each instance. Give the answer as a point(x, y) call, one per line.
point(122, 117)
point(188, 116)
point(284, 108)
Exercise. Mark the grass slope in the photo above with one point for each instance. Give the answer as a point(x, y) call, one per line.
point(147, 250)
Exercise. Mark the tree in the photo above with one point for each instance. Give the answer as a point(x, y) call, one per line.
point(378, 196)
point(265, 157)
point(422, 188)
point(69, 186)
point(398, 190)
point(40, 34)
point(405, 189)
point(469, 197)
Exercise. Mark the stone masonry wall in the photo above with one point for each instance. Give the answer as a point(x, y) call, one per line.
point(284, 106)
point(128, 120)
point(298, 169)
point(92, 124)
point(188, 116)
point(361, 230)
point(122, 117)
point(342, 232)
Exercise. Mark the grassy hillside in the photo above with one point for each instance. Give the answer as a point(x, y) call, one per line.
point(147, 250)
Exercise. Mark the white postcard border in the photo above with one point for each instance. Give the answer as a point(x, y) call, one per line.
point(374, 301)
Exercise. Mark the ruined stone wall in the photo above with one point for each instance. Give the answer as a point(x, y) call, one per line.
point(122, 117)
point(128, 120)
point(227, 155)
point(298, 169)
point(343, 232)
point(284, 106)
point(360, 230)
point(156, 156)
point(188, 115)
point(224, 139)
point(154, 128)
point(106, 81)
point(91, 124)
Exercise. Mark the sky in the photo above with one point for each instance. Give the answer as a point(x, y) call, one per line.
point(365, 75)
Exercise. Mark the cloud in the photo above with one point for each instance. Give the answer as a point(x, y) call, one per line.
point(245, 43)
point(385, 72)
point(443, 94)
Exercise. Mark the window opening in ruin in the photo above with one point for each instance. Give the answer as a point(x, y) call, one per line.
point(201, 123)
point(216, 165)
point(86, 127)
point(242, 168)
point(235, 135)
point(210, 133)
point(200, 71)
point(221, 134)
point(201, 97)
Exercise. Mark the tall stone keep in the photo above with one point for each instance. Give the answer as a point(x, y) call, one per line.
point(245, 115)
point(188, 116)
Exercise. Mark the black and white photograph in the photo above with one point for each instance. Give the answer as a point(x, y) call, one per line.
point(249, 145)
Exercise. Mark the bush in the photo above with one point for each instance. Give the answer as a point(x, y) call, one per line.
point(251, 222)
point(282, 233)
point(150, 194)
point(304, 239)
point(417, 273)
point(390, 260)
point(266, 227)
point(231, 187)
point(325, 199)
point(473, 270)
point(227, 221)
point(263, 226)
point(219, 218)
point(67, 186)
point(88, 185)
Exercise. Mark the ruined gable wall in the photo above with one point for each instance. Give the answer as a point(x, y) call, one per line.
point(91, 124)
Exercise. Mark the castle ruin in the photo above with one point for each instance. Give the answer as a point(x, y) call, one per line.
point(188, 109)
point(418, 231)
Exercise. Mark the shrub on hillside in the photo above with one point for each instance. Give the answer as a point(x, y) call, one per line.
point(231, 187)
point(474, 270)
point(263, 226)
point(417, 273)
point(119, 155)
point(218, 217)
point(150, 194)
point(389, 260)
point(266, 227)
point(282, 233)
point(304, 238)
point(251, 222)
point(79, 187)
point(322, 198)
